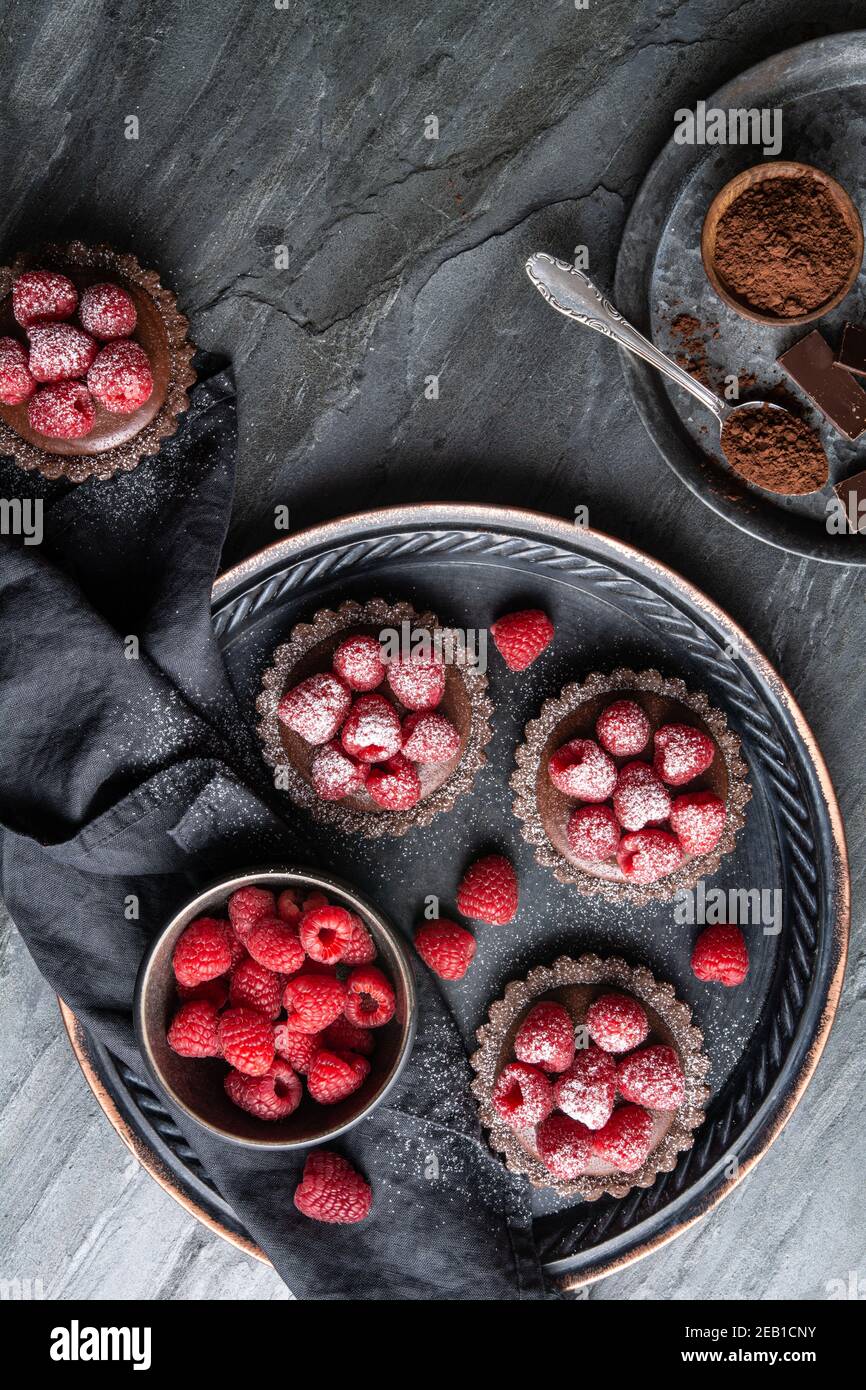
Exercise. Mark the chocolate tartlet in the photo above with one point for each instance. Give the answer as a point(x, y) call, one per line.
point(544, 810)
point(116, 443)
point(575, 984)
point(309, 651)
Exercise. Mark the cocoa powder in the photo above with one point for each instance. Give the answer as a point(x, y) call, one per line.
point(774, 450)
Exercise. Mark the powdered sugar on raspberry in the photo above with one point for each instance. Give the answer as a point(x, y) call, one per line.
point(59, 352)
point(107, 311)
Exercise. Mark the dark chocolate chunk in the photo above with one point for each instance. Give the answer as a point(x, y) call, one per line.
point(852, 494)
point(810, 364)
point(852, 353)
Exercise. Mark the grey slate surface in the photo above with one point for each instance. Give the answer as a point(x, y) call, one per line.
point(304, 127)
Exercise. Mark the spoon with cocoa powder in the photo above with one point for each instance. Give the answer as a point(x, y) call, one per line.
point(763, 442)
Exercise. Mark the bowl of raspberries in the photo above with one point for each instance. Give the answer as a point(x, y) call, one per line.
point(277, 1008)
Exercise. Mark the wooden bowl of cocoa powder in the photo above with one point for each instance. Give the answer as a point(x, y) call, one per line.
point(782, 243)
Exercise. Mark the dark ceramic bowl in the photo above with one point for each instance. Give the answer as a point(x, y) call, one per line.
point(196, 1085)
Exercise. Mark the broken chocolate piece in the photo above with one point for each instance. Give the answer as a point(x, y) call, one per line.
point(811, 366)
point(852, 353)
point(852, 494)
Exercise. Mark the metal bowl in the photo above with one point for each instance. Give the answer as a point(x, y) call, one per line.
point(195, 1086)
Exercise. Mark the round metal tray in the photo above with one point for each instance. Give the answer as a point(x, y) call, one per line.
point(611, 605)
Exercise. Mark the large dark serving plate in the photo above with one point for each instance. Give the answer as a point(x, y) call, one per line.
point(611, 606)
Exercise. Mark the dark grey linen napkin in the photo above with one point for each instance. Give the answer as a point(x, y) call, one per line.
point(128, 773)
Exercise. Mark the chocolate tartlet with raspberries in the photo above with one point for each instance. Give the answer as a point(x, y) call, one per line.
point(630, 786)
point(95, 364)
point(367, 740)
point(590, 1077)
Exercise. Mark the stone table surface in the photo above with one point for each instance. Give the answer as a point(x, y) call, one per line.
point(302, 125)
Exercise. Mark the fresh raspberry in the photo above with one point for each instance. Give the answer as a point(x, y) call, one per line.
point(626, 1139)
point(721, 955)
point(623, 729)
point(521, 637)
point(417, 681)
point(343, 1036)
point(313, 1001)
point(216, 992)
point(298, 1049)
point(107, 311)
point(121, 378)
point(616, 1022)
point(592, 833)
point(314, 900)
point(273, 1096)
point(372, 732)
point(358, 660)
point(395, 785)
point(247, 1040)
point(546, 1037)
point(488, 891)
point(522, 1096)
point(370, 1001)
point(253, 986)
point(639, 798)
point(648, 855)
point(247, 906)
point(447, 949)
point(316, 708)
point(429, 737)
point(16, 383)
point(652, 1076)
point(582, 769)
point(564, 1146)
point(697, 820)
point(202, 952)
point(587, 1091)
point(193, 1030)
point(41, 296)
point(335, 1075)
point(360, 949)
point(331, 1190)
point(682, 753)
point(325, 933)
point(335, 774)
point(288, 907)
point(276, 946)
point(236, 946)
point(63, 411)
point(59, 352)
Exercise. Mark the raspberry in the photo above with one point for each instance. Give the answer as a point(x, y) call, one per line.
point(370, 1001)
point(107, 311)
point(313, 1001)
point(417, 681)
point(447, 949)
point(202, 952)
point(63, 411)
point(360, 949)
point(276, 946)
point(331, 1190)
point(335, 774)
point(325, 933)
point(358, 660)
point(697, 820)
point(648, 855)
point(626, 1139)
point(587, 1091)
point(193, 1030)
point(546, 1037)
point(372, 732)
point(273, 1096)
point(521, 637)
point(298, 1049)
point(582, 769)
point(236, 946)
point(429, 738)
point(721, 955)
point(247, 1040)
point(639, 799)
point(335, 1075)
point(16, 383)
point(252, 986)
point(216, 992)
point(592, 833)
point(343, 1036)
point(522, 1096)
point(287, 906)
point(59, 352)
point(41, 296)
point(316, 708)
point(247, 906)
point(653, 1077)
point(564, 1146)
point(616, 1022)
point(682, 753)
point(395, 785)
point(488, 891)
point(120, 377)
point(623, 729)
